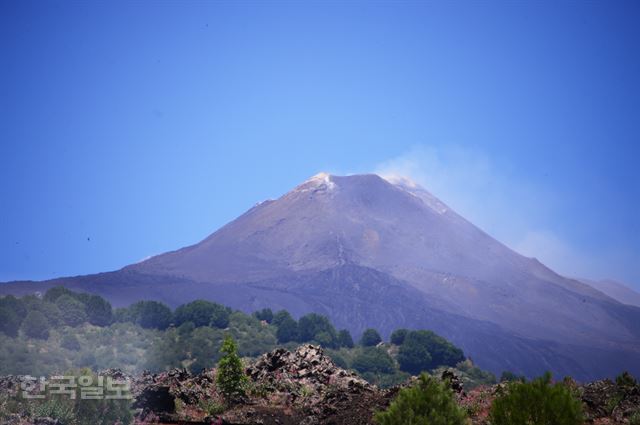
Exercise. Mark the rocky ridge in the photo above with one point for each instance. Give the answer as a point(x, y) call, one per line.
point(305, 387)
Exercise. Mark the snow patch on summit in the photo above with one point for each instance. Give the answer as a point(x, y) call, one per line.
point(319, 181)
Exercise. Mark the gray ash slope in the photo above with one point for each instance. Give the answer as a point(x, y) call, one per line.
point(368, 252)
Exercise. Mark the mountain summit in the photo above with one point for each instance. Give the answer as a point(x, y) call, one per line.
point(385, 253)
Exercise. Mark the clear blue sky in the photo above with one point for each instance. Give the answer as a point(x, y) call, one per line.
point(129, 129)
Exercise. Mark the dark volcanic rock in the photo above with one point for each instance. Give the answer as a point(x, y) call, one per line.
point(454, 381)
point(304, 387)
point(608, 399)
point(308, 365)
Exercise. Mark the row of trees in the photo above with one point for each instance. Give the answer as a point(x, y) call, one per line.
point(309, 328)
point(314, 327)
point(191, 334)
point(156, 315)
point(418, 351)
point(36, 316)
point(59, 307)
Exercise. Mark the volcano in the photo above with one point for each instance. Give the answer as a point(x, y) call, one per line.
point(385, 253)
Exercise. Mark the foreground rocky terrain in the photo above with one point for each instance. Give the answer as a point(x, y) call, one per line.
point(306, 387)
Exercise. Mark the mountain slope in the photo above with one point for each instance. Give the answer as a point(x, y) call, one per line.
point(372, 252)
point(365, 220)
point(616, 290)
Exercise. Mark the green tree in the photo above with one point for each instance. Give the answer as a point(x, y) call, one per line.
point(626, 380)
point(169, 351)
point(16, 305)
point(36, 325)
point(429, 402)
point(442, 351)
point(265, 314)
point(186, 328)
point(311, 325)
point(373, 359)
point(122, 315)
point(280, 317)
point(287, 330)
point(344, 339)
point(204, 347)
point(99, 311)
point(150, 314)
point(326, 339)
point(338, 360)
point(230, 378)
point(424, 350)
point(370, 338)
point(12, 313)
point(203, 313)
point(49, 310)
point(56, 292)
point(398, 336)
point(9, 322)
point(73, 311)
point(536, 402)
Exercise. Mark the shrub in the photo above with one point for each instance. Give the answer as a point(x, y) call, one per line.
point(430, 401)
point(398, 336)
point(55, 408)
point(230, 377)
point(370, 338)
point(536, 402)
point(211, 407)
point(472, 376)
point(388, 380)
point(35, 325)
point(508, 376)
point(626, 380)
point(77, 410)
